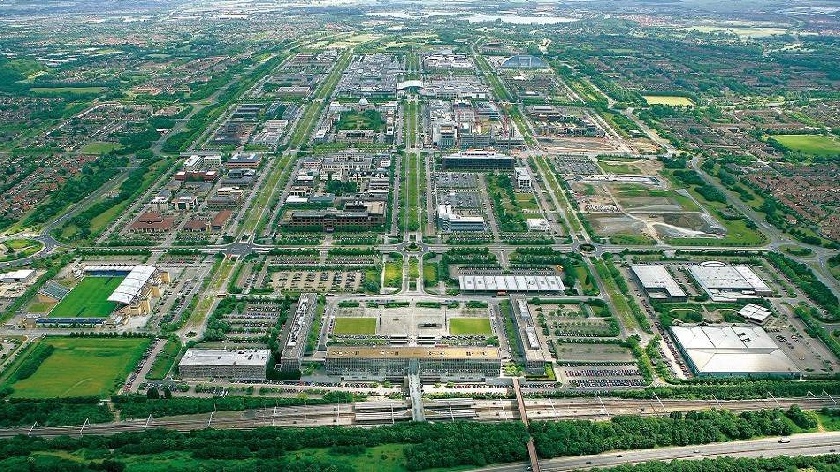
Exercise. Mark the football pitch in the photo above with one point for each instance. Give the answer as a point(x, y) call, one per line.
point(88, 299)
point(470, 326)
point(355, 326)
point(80, 367)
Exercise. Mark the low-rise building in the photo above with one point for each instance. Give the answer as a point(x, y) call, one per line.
point(250, 364)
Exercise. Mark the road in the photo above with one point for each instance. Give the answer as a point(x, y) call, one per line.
point(810, 444)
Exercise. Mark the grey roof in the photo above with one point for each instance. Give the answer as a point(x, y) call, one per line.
point(738, 349)
point(220, 357)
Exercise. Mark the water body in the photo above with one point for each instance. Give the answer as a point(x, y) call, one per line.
point(521, 19)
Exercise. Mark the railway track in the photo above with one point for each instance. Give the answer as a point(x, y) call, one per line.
point(389, 412)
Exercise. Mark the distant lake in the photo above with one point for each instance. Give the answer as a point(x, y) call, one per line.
point(520, 19)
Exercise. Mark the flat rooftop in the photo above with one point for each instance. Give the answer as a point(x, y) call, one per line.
point(732, 349)
point(221, 357)
point(511, 283)
point(413, 352)
point(656, 277)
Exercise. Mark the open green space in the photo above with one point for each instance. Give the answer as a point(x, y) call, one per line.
point(69, 90)
point(88, 299)
point(353, 120)
point(79, 367)
point(816, 145)
point(99, 147)
point(351, 326)
point(164, 360)
point(470, 326)
point(668, 100)
point(19, 248)
point(393, 271)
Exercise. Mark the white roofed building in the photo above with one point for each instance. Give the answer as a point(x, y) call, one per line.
point(732, 351)
point(248, 364)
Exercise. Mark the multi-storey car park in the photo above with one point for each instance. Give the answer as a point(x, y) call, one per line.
point(362, 224)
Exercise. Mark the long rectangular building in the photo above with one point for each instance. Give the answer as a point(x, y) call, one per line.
point(511, 283)
point(725, 283)
point(732, 351)
point(472, 159)
point(430, 362)
point(247, 364)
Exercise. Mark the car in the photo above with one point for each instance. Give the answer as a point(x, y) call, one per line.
point(696, 451)
point(784, 440)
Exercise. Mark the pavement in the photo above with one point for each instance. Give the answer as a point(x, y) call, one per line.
point(809, 444)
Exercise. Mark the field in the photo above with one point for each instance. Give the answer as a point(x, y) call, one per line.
point(668, 100)
point(809, 144)
point(70, 90)
point(89, 299)
point(469, 326)
point(99, 147)
point(82, 367)
point(355, 326)
point(369, 119)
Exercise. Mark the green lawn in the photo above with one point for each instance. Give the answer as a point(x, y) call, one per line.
point(164, 360)
point(467, 326)
point(98, 147)
point(355, 326)
point(82, 367)
point(809, 144)
point(88, 299)
point(353, 120)
point(671, 101)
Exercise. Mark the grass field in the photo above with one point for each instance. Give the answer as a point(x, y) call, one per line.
point(99, 147)
point(164, 360)
point(82, 367)
point(467, 326)
point(668, 100)
point(809, 144)
point(355, 326)
point(88, 299)
point(71, 90)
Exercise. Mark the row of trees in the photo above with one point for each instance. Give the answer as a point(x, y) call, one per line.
point(571, 438)
point(804, 278)
point(732, 464)
point(428, 445)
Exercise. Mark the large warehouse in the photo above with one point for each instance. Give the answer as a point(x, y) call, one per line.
point(431, 362)
point(658, 282)
point(725, 283)
point(732, 351)
point(221, 364)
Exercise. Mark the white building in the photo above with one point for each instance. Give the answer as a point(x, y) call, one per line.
point(658, 283)
point(18, 276)
point(732, 351)
point(523, 179)
point(247, 364)
point(726, 283)
point(453, 222)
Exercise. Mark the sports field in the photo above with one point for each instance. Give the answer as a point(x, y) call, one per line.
point(81, 367)
point(88, 299)
point(669, 100)
point(355, 326)
point(469, 326)
point(817, 145)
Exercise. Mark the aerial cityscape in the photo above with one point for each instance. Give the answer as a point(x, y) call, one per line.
point(405, 235)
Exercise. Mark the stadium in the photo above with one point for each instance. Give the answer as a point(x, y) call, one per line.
point(102, 291)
